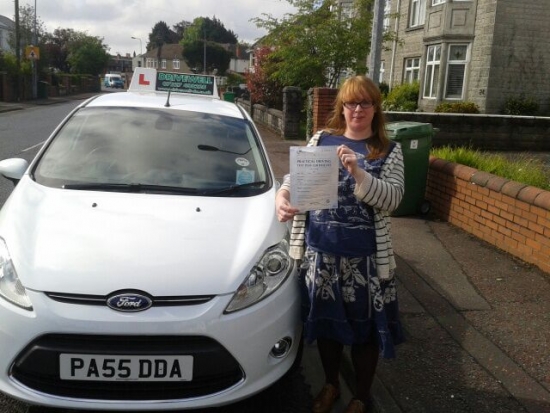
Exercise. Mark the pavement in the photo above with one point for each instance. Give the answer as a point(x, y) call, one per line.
point(12, 106)
point(477, 321)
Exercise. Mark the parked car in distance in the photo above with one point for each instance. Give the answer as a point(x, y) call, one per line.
point(142, 266)
point(114, 81)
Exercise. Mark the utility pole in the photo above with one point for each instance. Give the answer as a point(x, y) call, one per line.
point(17, 50)
point(376, 40)
point(34, 62)
point(204, 58)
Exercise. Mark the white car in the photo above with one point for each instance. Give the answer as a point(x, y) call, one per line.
point(141, 263)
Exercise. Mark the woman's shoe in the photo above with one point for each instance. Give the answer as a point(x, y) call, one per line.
point(356, 406)
point(324, 401)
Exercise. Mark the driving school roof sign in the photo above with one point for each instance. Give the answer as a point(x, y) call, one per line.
point(185, 83)
point(147, 79)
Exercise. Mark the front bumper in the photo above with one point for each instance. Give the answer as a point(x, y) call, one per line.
point(231, 352)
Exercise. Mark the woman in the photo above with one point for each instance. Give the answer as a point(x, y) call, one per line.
point(347, 267)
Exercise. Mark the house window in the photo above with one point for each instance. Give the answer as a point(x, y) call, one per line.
point(431, 80)
point(456, 71)
point(436, 2)
point(387, 14)
point(382, 72)
point(176, 64)
point(150, 62)
point(412, 70)
point(417, 13)
point(163, 64)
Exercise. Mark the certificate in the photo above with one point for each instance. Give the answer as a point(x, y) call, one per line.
point(313, 177)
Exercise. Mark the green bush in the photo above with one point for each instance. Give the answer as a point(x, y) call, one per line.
point(384, 88)
point(457, 107)
point(235, 79)
point(402, 98)
point(521, 106)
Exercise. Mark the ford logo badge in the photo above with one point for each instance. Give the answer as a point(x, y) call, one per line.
point(129, 301)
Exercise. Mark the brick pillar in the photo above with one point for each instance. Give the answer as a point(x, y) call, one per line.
point(323, 101)
point(292, 107)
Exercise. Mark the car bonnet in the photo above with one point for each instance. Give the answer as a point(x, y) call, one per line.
point(84, 242)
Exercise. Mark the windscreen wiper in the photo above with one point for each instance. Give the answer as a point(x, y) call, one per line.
point(234, 188)
point(133, 187)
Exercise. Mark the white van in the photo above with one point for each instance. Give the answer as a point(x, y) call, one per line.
point(113, 80)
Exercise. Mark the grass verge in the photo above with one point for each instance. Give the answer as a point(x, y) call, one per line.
point(523, 169)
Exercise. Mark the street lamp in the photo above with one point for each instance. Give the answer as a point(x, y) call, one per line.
point(140, 48)
point(34, 71)
point(140, 51)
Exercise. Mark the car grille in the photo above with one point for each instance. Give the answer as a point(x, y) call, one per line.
point(86, 299)
point(214, 368)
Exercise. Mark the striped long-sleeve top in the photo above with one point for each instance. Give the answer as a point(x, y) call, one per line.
point(383, 194)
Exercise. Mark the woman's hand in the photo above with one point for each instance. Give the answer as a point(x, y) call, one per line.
point(348, 158)
point(350, 161)
point(284, 210)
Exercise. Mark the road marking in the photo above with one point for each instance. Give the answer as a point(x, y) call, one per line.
point(34, 146)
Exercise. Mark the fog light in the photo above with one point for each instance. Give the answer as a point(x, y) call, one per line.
point(281, 347)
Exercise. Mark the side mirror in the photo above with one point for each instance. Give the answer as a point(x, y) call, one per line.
point(13, 169)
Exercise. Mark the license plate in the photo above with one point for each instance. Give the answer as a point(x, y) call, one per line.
point(125, 368)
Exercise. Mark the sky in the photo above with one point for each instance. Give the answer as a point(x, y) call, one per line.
point(118, 21)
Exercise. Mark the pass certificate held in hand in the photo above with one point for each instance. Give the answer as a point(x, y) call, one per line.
point(314, 177)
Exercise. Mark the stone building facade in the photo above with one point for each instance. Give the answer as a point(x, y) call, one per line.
point(7, 29)
point(482, 51)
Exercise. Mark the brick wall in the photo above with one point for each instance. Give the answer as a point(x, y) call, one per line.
point(323, 101)
point(511, 216)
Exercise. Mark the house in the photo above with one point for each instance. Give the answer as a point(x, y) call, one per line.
point(170, 59)
point(240, 60)
point(7, 29)
point(481, 51)
point(119, 64)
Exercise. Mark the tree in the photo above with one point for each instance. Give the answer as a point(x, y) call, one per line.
point(319, 43)
point(31, 32)
point(262, 85)
point(207, 35)
point(87, 54)
point(179, 28)
point(56, 47)
point(161, 34)
point(217, 57)
point(27, 28)
point(211, 29)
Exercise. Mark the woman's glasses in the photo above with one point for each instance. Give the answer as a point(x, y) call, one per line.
point(365, 104)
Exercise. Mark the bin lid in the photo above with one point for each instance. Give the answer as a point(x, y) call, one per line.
point(405, 129)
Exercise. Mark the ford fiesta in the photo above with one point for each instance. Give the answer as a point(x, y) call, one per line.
point(141, 263)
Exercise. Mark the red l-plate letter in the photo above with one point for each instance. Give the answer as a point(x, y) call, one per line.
point(142, 80)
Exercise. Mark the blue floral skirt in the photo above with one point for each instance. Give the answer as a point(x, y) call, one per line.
point(344, 300)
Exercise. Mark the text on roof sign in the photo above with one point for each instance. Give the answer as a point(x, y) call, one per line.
point(185, 83)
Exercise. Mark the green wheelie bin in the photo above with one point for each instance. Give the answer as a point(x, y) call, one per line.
point(229, 96)
point(416, 141)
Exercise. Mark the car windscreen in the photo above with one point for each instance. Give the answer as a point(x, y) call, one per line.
point(154, 150)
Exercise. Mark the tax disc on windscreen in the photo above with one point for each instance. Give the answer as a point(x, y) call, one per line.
point(245, 176)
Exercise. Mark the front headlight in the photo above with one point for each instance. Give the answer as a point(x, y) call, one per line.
point(264, 278)
point(11, 288)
